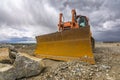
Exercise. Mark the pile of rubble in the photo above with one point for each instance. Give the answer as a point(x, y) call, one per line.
point(106, 67)
point(21, 66)
point(76, 70)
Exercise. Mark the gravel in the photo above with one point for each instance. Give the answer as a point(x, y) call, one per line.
point(107, 67)
point(107, 57)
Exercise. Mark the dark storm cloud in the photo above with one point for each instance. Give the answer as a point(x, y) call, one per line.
point(42, 13)
point(103, 14)
point(27, 12)
point(28, 18)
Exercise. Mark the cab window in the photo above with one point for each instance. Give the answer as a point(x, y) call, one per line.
point(82, 21)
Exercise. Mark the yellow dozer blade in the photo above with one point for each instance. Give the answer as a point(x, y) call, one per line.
point(66, 45)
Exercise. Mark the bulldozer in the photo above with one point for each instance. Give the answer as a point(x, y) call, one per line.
point(72, 41)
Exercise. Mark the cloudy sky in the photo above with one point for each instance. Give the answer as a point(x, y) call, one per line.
point(22, 20)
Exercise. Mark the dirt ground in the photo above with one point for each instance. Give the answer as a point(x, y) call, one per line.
point(107, 67)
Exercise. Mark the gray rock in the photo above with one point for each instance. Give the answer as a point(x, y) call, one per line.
point(7, 72)
point(12, 55)
point(27, 65)
point(23, 65)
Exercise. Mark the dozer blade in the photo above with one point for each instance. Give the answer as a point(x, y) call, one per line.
point(66, 45)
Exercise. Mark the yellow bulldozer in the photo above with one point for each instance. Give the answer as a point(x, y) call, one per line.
point(72, 41)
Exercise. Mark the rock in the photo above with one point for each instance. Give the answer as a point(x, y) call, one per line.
point(4, 55)
point(7, 72)
point(23, 66)
point(104, 67)
point(27, 66)
point(12, 55)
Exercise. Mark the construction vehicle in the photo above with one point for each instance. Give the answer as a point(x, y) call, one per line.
point(72, 41)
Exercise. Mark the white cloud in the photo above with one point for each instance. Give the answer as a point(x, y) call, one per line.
point(109, 25)
point(29, 18)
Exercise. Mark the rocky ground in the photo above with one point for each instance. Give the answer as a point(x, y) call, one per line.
point(107, 67)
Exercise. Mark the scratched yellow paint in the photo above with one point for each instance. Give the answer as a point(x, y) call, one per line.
point(66, 45)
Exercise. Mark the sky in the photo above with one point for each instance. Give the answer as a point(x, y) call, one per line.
point(22, 20)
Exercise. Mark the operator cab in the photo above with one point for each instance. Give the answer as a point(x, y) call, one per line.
point(82, 22)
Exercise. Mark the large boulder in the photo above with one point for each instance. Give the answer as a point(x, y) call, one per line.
point(27, 66)
point(7, 72)
point(23, 65)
